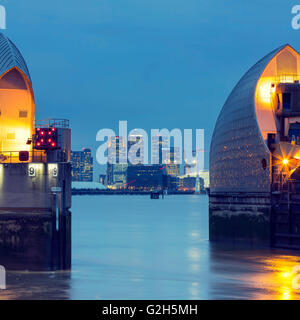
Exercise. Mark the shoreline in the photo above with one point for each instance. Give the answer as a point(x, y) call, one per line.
point(80, 192)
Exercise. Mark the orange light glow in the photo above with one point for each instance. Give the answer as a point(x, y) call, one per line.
point(285, 161)
point(265, 90)
point(17, 114)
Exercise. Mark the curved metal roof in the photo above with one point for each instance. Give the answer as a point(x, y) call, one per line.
point(237, 147)
point(11, 57)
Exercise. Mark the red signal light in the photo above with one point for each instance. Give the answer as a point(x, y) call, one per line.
point(46, 138)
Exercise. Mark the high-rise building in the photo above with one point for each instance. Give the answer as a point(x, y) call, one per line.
point(82, 165)
point(158, 144)
point(116, 166)
point(164, 154)
point(116, 150)
point(172, 168)
point(135, 148)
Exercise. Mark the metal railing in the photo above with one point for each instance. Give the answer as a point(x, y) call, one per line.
point(55, 123)
point(288, 78)
point(13, 156)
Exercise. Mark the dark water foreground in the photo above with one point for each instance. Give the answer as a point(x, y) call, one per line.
point(131, 247)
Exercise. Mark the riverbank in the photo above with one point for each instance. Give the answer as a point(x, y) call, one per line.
point(81, 192)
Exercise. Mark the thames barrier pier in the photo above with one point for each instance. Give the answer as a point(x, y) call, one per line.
point(35, 174)
point(255, 156)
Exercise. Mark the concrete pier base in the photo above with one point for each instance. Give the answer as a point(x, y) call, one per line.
point(240, 217)
point(37, 241)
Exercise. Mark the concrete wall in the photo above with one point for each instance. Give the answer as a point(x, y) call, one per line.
point(35, 241)
point(28, 185)
point(240, 217)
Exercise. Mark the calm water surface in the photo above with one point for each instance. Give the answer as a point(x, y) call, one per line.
point(132, 247)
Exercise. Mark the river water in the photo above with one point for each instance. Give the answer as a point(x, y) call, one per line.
point(132, 247)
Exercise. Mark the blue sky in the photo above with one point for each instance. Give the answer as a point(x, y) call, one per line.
point(155, 63)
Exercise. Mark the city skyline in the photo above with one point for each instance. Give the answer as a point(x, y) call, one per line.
point(150, 152)
point(161, 60)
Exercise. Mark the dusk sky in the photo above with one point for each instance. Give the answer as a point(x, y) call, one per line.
point(155, 63)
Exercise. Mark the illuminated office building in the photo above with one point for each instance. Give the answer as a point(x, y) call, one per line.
point(117, 162)
point(135, 148)
point(145, 178)
point(158, 144)
point(82, 165)
point(172, 168)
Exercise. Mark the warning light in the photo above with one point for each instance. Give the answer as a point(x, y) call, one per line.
point(46, 139)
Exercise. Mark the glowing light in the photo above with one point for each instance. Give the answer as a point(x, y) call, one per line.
point(265, 90)
point(286, 274)
point(285, 78)
point(52, 168)
point(285, 161)
point(36, 168)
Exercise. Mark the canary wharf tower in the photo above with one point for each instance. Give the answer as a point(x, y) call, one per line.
point(255, 153)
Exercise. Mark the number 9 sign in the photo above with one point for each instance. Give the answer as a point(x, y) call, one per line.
point(31, 172)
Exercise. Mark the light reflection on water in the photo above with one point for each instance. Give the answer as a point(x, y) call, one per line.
point(131, 247)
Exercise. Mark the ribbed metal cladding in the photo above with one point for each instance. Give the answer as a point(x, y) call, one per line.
point(237, 146)
point(11, 57)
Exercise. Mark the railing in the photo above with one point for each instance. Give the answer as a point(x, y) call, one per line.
point(13, 156)
point(56, 123)
point(288, 78)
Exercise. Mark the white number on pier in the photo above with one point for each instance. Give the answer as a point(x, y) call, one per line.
point(31, 172)
point(54, 172)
